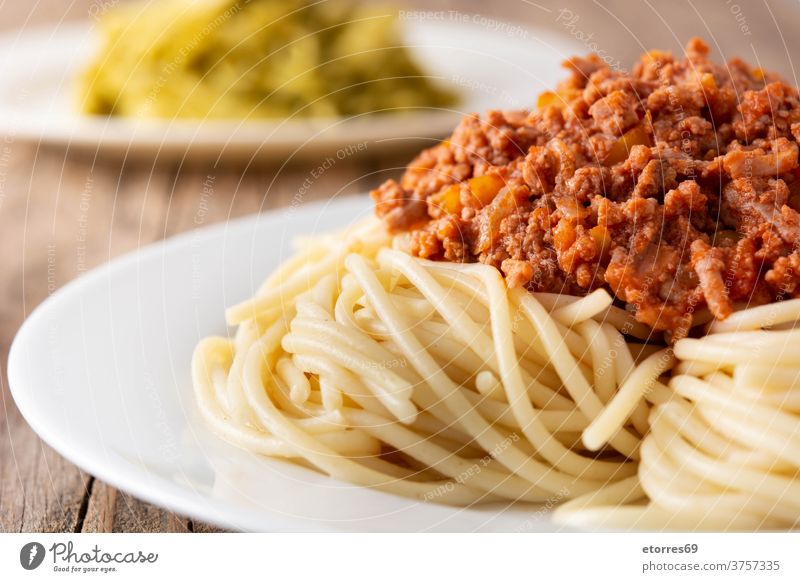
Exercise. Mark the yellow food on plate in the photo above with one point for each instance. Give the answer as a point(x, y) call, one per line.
point(228, 59)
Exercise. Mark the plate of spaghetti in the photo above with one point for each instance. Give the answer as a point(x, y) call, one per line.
point(258, 79)
point(582, 316)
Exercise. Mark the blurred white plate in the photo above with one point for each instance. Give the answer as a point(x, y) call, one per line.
point(491, 67)
point(101, 371)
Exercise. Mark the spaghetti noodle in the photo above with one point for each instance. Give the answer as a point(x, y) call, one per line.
point(436, 381)
point(723, 451)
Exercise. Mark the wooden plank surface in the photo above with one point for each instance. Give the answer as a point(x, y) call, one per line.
point(62, 214)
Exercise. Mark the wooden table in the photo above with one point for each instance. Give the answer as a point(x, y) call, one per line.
point(62, 213)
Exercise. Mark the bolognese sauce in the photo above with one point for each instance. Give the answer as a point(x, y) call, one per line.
point(674, 186)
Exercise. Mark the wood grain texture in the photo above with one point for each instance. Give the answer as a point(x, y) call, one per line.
point(110, 511)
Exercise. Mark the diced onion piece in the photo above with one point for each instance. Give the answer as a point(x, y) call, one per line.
point(602, 237)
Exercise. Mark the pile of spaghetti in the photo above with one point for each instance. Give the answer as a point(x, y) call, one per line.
point(616, 335)
point(436, 381)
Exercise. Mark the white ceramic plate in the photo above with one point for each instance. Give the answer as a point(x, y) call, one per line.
point(101, 371)
point(503, 68)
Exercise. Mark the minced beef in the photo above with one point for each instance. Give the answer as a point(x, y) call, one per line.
point(675, 186)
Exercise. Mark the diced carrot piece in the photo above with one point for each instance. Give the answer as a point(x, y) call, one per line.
point(561, 98)
point(448, 199)
point(707, 82)
point(655, 56)
point(547, 99)
point(621, 148)
point(564, 235)
point(485, 188)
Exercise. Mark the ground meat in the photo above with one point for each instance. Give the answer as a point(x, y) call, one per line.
point(709, 264)
point(674, 186)
point(400, 210)
point(615, 113)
